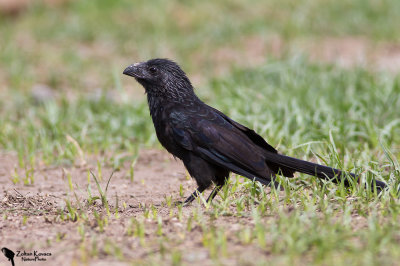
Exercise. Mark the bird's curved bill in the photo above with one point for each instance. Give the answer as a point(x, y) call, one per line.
point(133, 70)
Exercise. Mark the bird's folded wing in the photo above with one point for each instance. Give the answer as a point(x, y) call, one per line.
point(225, 146)
point(251, 134)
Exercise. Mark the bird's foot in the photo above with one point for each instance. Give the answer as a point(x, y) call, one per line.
point(181, 203)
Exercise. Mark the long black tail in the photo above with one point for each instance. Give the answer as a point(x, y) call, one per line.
point(321, 171)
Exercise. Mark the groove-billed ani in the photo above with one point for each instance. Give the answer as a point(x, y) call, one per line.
point(210, 144)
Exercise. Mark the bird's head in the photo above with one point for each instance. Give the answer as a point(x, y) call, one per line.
point(161, 77)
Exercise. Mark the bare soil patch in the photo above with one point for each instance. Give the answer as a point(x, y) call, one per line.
point(31, 214)
point(354, 51)
point(156, 175)
point(14, 7)
point(349, 51)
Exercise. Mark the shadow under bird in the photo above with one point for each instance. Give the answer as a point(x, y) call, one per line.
point(210, 144)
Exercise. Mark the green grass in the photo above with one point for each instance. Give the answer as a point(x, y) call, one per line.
point(345, 118)
point(96, 125)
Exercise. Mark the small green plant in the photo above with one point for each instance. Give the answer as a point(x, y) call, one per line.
point(29, 178)
point(103, 195)
point(15, 178)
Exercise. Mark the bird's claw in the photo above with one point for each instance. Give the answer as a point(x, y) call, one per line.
point(181, 203)
point(178, 202)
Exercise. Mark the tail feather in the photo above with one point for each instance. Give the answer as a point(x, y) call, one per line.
point(321, 171)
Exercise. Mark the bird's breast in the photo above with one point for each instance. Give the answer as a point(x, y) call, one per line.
point(164, 134)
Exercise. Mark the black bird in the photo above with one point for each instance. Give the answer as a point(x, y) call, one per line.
point(210, 144)
point(9, 255)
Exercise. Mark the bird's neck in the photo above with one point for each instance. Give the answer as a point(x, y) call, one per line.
point(160, 101)
point(155, 104)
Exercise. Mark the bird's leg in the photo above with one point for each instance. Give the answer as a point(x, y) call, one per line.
point(192, 196)
point(220, 182)
point(214, 193)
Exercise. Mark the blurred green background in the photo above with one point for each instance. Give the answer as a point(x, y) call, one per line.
point(75, 45)
point(294, 69)
point(61, 64)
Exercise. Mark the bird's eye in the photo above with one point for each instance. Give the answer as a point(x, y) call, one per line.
point(153, 70)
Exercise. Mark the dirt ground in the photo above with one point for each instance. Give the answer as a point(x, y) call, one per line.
point(346, 51)
point(41, 201)
point(157, 176)
point(14, 7)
